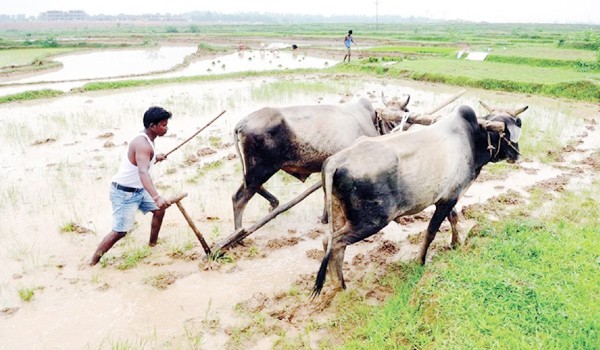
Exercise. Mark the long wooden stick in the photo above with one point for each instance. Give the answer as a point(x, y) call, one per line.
point(243, 233)
point(447, 102)
point(196, 133)
point(426, 118)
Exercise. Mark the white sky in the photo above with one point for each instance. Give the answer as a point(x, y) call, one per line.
point(519, 11)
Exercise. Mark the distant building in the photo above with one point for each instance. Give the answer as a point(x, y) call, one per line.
point(63, 16)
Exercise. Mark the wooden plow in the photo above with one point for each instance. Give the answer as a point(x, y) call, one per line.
point(242, 233)
point(177, 201)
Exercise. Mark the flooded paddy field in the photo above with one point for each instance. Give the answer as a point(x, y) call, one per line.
point(59, 155)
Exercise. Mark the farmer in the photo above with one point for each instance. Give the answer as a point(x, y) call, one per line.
point(132, 187)
point(348, 41)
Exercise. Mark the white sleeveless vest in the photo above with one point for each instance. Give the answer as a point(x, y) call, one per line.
point(128, 174)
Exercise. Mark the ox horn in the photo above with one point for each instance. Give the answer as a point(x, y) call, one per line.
point(491, 125)
point(490, 109)
point(404, 101)
point(385, 102)
point(516, 112)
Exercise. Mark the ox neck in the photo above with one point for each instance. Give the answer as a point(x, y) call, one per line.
point(487, 148)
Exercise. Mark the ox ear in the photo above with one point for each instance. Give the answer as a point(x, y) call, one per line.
point(491, 125)
point(516, 112)
point(489, 109)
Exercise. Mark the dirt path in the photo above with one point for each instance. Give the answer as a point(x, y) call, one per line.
point(59, 157)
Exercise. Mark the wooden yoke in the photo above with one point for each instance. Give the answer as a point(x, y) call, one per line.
point(426, 118)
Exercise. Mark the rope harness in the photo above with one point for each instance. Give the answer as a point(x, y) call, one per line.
point(402, 122)
point(502, 137)
point(384, 126)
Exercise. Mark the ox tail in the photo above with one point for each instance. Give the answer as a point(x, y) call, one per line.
point(327, 187)
point(240, 154)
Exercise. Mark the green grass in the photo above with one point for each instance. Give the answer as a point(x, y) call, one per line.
point(18, 57)
point(520, 284)
point(427, 50)
point(123, 84)
point(480, 70)
point(286, 89)
point(69, 227)
point(128, 259)
point(30, 95)
point(576, 65)
point(132, 258)
point(545, 52)
point(482, 75)
point(26, 294)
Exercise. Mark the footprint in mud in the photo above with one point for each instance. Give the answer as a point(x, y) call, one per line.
point(162, 280)
point(279, 243)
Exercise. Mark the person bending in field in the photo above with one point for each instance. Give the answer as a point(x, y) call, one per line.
point(132, 187)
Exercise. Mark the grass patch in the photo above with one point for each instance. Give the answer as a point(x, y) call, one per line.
point(180, 249)
point(69, 227)
point(422, 50)
point(26, 294)
point(288, 89)
point(30, 95)
point(545, 52)
point(576, 65)
point(221, 257)
point(124, 84)
point(577, 90)
point(215, 141)
point(522, 284)
point(519, 78)
point(127, 260)
point(131, 258)
point(19, 57)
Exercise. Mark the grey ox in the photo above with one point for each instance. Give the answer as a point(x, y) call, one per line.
point(380, 179)
point(297, 140)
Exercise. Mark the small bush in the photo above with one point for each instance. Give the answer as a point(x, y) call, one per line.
point(26, 294)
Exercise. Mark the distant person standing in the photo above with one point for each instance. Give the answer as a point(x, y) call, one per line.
point(348, 41)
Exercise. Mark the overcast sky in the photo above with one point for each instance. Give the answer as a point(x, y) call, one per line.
point(546, 11)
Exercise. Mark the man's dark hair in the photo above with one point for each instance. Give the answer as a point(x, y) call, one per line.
point(350, 32)
point(154, 115)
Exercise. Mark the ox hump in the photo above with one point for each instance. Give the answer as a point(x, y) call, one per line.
point(467, 113)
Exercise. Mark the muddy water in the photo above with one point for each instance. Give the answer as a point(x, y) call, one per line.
point(256, 61)
point(58, 157)
point(81, 68)
point(113, 63)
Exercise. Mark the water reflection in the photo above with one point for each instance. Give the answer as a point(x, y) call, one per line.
point(112, 65)
point(246, 61)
